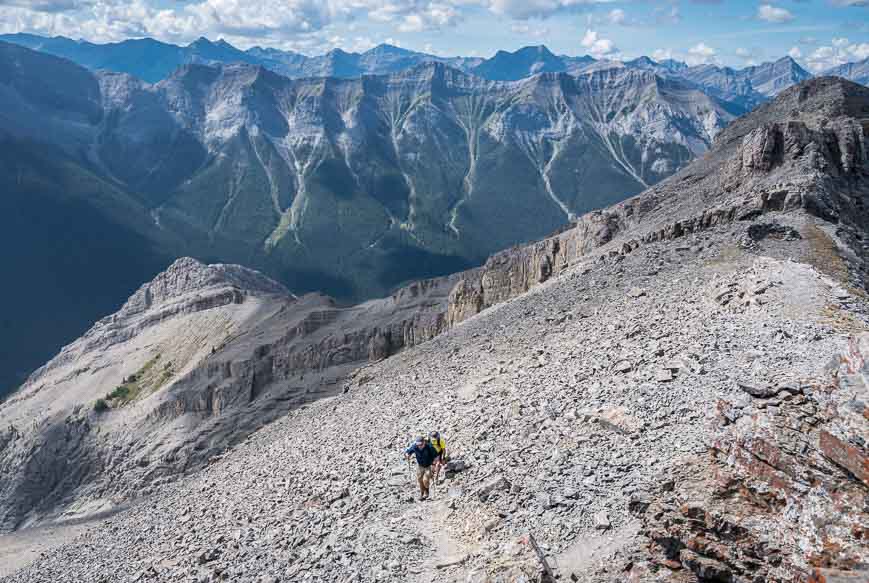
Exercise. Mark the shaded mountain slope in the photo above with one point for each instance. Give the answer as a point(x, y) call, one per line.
point(431, 154)
point(75, 244)
point(418, 164)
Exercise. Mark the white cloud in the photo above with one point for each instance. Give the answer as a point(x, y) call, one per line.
point(750, 56)
point(246, 22)
point(771, 13)
point(433, 16)
point(598, 47)
point(701, 53)
point(524, 9)
point(663, 54)
point(702, 50)
point(795, 53)
point(246, 18)
point(838, 52)
point(616, 16)
point(116, 19)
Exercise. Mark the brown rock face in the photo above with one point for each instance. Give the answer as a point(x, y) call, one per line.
point(837, 576)
point(781, 497)
point(849, 457)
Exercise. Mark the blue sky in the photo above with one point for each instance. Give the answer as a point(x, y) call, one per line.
point(818, 33)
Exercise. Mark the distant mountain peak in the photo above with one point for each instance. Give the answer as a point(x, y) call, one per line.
point(643, 60)
point(540, 49)
point(857, 72)
point(386, 48)
point(524, 62)
point(673, 63)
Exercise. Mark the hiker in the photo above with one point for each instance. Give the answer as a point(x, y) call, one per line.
point(440, 446)
point(425, 456)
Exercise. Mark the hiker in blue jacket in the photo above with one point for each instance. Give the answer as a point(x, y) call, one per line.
point(425, 456)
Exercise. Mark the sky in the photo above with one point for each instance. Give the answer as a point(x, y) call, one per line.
point(817, 33)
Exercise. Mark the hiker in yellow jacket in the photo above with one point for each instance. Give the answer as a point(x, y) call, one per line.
point(440, 446)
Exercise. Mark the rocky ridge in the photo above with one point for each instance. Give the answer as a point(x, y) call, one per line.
point(606, 380)
point(641, 319)
point(815, 161)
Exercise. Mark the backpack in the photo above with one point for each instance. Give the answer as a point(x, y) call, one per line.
point(438, 444)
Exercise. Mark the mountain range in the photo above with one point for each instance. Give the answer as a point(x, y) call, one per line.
point(346, 186)
point(152, 61)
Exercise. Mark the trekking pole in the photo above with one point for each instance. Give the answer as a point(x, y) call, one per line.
point(409, 470)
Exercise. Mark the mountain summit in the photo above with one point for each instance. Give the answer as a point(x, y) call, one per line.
point(527, 61)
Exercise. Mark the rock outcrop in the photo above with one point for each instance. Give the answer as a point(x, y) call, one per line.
point(781, 494)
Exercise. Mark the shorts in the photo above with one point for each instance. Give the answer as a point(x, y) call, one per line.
point(423, 473)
